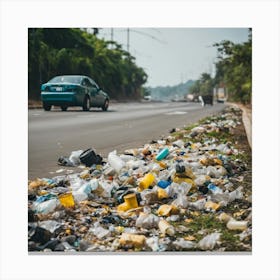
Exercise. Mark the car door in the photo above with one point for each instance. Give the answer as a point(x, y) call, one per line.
point(98, 97)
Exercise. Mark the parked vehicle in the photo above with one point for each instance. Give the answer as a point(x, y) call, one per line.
point(73, 90)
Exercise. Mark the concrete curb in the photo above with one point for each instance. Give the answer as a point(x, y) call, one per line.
point(248, 125)
point(247, 121)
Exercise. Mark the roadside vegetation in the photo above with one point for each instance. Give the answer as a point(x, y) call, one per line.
point(233, 71)
point(66, 51)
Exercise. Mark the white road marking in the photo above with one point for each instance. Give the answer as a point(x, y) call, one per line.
point(176, 113)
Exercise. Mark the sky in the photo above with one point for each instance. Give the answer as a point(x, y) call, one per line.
point(171, 56)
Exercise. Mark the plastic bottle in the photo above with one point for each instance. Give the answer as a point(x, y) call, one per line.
point(46, 206)
point(115, 161)
point(237, 225)
point(166, 228)
point(147, 181)
point(162, 154)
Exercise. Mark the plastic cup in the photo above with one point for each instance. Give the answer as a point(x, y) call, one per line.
point(67, 200)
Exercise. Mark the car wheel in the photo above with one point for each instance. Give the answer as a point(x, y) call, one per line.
point(47, 107)
point(86, 105)
point(63, 108)
point(106, 105)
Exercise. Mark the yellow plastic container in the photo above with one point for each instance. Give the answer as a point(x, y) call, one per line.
point(134, 240)
point(162, 164)
point(167, 210)
point(147, 181)
point(162, 193)
point(130, 202)
point(212, 205)
point(67, 200)
point(180, 180)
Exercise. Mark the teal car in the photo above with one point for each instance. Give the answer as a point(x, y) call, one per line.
point(73, 90)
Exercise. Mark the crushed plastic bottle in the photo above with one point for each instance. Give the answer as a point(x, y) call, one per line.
point(232, 224)
point(165, 228)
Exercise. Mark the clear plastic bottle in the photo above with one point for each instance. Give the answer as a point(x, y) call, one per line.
point(237, 225)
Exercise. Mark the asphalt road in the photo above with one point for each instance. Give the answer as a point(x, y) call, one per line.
point(125, 125)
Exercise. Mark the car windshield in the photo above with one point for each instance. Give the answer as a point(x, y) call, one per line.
point(66, 79)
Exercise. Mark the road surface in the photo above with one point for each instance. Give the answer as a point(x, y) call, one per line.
point(125, 125)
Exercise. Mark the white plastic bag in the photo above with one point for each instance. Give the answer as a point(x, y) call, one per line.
point(115, 161)
point(209, 241)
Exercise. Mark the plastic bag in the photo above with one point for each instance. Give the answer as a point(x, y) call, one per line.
point(50, 225)
point(115, 161)
point(209, 241)
point(147, 221)
point(180, 243)
point(46, 206)
point(99, 231)
point(74, 157)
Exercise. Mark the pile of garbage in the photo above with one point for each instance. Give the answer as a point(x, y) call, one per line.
point(181, 193)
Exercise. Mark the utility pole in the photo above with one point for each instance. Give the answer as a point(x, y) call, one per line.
point(112, 34)
point(128, 40)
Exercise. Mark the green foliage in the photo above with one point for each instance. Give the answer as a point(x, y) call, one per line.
point(62, 51)
point(203, 86)
point(234, 68)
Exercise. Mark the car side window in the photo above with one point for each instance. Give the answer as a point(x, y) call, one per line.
point(84, 82)
point(88, 83)
point(94, 84)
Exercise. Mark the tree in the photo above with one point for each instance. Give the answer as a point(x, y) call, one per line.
point(234, 68)
point(203, 86)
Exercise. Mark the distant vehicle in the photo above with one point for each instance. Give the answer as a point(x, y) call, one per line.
point(221, 95)
point(73, 90)
point(148, 97)
point(208, 99)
